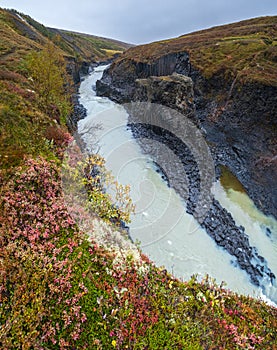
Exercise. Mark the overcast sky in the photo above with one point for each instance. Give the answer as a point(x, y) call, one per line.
point(141, 21)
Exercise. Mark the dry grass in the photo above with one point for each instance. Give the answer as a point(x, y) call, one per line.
point(247, 49)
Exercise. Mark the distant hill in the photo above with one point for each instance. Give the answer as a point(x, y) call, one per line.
point(23, 32)
point(248, 47)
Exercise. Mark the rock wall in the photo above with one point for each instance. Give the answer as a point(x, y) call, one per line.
point(77, 70)
point(174, 91)
point(242, 129)
point(119, 80)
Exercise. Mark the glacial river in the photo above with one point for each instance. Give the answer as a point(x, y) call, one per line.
point(167, 234)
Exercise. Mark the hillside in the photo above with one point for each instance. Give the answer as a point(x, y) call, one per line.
point(76, 281)
point(247, 48)
point(81, 46)
point(20, 35)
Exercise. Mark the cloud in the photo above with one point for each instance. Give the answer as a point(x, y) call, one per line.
point(140, 21)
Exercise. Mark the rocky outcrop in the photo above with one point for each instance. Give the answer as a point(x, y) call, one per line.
point(77, 70)
point(174, 91)
point(242, 129)
point(119, 80)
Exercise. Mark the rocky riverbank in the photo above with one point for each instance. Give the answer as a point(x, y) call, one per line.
point(218, 223)
point(229, 115)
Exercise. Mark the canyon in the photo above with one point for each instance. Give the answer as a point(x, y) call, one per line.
point(230, 102)
point(239, 120)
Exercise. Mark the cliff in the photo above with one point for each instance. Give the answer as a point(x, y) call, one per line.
point(233, 70)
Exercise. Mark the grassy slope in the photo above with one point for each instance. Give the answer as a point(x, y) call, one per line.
point(20, 121)
point(23, 125)
point(248, 48)
point(57, 291)
point(88, 46)
point(85, 46)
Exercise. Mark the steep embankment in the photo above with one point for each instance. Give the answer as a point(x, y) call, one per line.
point(233, 69)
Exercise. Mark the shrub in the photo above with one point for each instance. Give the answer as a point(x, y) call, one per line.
point(47, 70)
point(95, 187)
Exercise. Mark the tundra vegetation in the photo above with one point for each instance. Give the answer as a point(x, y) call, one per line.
point(59, 288)
point(246, 51)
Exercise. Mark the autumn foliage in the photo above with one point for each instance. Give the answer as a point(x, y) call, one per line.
point(47, 72)
point(60, 288)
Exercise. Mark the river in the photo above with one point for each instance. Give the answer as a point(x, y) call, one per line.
point(167, 234)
